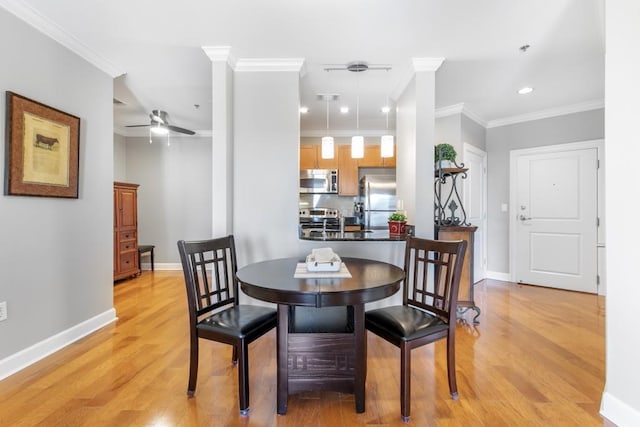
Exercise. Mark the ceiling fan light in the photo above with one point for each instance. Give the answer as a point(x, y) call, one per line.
point(386, 146)
point(327, 147)
point(357, 147)
point(159, 130)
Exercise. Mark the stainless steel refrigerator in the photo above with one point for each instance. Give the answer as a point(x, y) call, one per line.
point(378, 196)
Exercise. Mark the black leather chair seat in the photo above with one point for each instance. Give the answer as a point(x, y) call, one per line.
point(238, 320)
point(404, 322)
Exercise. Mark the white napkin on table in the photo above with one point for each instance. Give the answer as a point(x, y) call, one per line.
point(322, 255)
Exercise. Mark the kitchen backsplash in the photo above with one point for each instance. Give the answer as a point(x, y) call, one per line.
point(343, 203)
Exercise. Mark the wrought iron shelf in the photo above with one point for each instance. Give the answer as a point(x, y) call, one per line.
point(447, 196)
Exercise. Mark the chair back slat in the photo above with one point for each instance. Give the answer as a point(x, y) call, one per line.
point(433, 269)
point(210, 274)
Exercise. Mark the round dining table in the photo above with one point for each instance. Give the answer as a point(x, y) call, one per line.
point(321, 338)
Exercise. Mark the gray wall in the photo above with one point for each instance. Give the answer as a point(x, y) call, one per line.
point(457, 129)
point(56, 254)
point(473, 133)
point(575, 127)
point(174, 197)
point(266, 153)
point(119, 158)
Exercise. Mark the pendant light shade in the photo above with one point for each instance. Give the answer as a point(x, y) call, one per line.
point(327, 141)
point(357, 147)
point(386, 146)
point(327, 147)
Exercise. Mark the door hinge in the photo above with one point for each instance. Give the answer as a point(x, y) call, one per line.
point(597, 279)
point(598, 222)
point(598, 164)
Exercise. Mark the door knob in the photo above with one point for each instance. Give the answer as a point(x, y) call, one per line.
point(523, 218)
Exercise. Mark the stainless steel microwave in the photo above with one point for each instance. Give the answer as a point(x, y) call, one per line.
point(320, 181)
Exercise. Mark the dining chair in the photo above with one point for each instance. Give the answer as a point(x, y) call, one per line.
point(428, 311)
point(209, 268)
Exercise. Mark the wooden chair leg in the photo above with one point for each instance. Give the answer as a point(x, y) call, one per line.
point(193, 366)
point(451, 367)
point(405, 382)
point(243, 377)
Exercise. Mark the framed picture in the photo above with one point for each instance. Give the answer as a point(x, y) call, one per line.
point(41, 150)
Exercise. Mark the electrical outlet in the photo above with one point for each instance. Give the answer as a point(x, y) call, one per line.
point(3, 311)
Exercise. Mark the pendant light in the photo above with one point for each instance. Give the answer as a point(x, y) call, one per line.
point(357, 142)
point(386, 141)
point(327, 141)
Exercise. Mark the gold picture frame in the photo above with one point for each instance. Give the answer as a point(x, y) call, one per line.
point(42, 149)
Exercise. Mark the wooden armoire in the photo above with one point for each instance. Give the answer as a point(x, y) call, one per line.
point(125, 231)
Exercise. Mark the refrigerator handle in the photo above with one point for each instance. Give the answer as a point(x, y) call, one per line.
point(368, 209)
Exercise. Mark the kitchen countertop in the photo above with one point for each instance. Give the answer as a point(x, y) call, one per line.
point(363, 235)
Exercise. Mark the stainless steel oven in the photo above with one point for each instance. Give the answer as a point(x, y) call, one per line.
point(320, 181)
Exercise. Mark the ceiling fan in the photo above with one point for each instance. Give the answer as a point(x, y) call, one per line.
point(160, 124)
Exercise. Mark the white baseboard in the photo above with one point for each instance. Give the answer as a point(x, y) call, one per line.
point(497, 275)
point(162, 266)
point(30, 355)
point(618, 412)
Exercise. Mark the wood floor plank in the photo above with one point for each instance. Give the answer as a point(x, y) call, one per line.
point(537, 359)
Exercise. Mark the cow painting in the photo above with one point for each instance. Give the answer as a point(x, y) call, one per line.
point(45, 141)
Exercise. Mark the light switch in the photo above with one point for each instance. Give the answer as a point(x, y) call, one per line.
point(504, 207)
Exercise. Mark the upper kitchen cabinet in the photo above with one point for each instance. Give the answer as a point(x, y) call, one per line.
point(372, 158)
point(311, 158)
point(347, 172)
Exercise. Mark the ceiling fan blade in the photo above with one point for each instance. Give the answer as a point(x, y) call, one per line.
point(181, 130)
point(136, 126)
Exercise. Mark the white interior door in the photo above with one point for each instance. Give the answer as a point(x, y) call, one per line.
point(555, 216)
point(475, 203)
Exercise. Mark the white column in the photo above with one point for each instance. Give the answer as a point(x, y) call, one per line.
point(222, 139)
point(415, 135)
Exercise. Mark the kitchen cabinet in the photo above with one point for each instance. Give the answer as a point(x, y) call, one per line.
point(125, 230)
point(311, 158)
point(372, 158)
point(347, 172)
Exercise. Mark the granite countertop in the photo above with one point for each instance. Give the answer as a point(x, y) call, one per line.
point(363, 235)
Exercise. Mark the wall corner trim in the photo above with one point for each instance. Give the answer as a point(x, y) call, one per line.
point(30, 355)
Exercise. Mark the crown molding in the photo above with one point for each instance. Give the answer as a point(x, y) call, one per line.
point(460, 108)
point(270, 64)
point(346, 133)
point(417, 65)
point(545, 114)
point(50, 29)
point(220, 54)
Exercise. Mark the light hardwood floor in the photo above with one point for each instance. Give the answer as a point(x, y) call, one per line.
point(536, 359)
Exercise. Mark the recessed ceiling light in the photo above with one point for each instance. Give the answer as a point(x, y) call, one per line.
point(344, 109)
point(525, 90)
point(304, 110)
point(385, 109)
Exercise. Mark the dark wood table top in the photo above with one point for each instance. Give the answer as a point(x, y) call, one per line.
point(273, 281)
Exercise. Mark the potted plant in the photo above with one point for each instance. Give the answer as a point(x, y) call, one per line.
point(445, 154)
point(397, 223)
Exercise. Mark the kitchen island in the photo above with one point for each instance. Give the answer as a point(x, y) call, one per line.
point(362, 235)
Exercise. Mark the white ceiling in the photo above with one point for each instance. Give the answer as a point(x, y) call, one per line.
point(158, 45)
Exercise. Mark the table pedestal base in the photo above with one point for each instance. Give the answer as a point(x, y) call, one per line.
point(325, 361)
